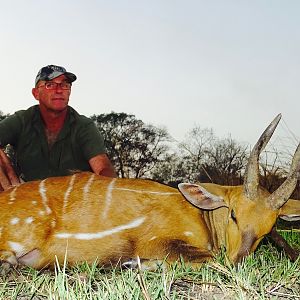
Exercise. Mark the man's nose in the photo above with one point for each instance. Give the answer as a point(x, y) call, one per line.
point(58, 88)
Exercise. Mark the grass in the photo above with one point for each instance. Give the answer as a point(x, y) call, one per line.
point(267, 274)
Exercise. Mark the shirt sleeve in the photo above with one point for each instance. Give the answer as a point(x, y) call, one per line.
point(91, 140)
point(10, 128)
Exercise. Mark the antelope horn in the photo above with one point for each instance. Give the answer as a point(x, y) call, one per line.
point(251, 178)
point(282, 194)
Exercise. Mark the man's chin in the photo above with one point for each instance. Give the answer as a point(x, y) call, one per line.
point(59, 109)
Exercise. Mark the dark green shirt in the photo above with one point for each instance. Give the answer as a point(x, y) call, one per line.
point(78, 141)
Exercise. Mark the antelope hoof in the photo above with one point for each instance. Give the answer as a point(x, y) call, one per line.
point(143, 264)
point(8, 262)
point(130, 264)
point(6, 267)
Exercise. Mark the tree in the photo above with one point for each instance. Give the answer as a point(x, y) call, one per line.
point(185, 164)
point(203, 158)
point(194, 150)
point(170, 170)
point(271, 170)
point(226, 162)
point(3, 116)
point(133, 147)
point(274, 169)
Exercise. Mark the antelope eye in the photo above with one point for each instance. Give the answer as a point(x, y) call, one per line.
point(233, 216)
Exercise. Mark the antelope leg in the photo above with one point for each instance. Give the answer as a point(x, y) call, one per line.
point(283, 244)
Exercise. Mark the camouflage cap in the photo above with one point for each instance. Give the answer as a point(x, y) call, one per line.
point(51, 71)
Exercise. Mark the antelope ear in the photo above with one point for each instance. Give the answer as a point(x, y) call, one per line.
point(290, 211)
point(200, 197)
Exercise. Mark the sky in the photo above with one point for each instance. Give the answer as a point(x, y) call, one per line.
point(227, 65)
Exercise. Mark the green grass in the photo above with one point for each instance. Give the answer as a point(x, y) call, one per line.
point(268, 274)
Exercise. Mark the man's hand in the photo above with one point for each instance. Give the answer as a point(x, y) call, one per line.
point(8, 176)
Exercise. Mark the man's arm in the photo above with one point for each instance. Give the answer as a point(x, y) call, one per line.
point(8, 176)
point(101, 165)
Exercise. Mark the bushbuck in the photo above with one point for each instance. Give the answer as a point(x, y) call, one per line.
point(86, 217)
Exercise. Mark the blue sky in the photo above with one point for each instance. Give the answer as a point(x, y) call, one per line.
point(227, 65)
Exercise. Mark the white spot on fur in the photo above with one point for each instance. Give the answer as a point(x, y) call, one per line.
point(188, 233)
point(42, 191)
point(16, 247)
point(147, 192)
point(101, 234)
point(14, 221)
point(53, 223)
point(29, 220)
point(41, 213)
point(68, 192)
point(153, 238)
point(108, 198)
point(34, 202)
point(87, 187)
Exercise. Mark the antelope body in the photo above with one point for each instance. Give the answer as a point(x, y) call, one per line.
point(86, 217)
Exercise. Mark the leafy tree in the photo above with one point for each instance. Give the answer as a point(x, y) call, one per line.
point(133, 147)
point(170, 170)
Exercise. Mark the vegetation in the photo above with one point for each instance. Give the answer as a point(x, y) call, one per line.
point(3, 116)
point(133, 147)
point(141, 150)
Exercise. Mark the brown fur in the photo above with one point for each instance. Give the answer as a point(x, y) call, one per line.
point(163, 223)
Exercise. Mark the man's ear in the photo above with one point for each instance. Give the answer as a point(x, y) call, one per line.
point(35, 93)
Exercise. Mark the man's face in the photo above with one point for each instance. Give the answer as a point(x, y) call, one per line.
point(54, 100)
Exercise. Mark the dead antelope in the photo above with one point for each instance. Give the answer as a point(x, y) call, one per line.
point(112, 220)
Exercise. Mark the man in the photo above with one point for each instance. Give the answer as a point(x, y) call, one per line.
point(52, 139)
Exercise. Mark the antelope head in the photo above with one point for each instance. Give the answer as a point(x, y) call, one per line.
point(243, 215)
point(256, 218)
